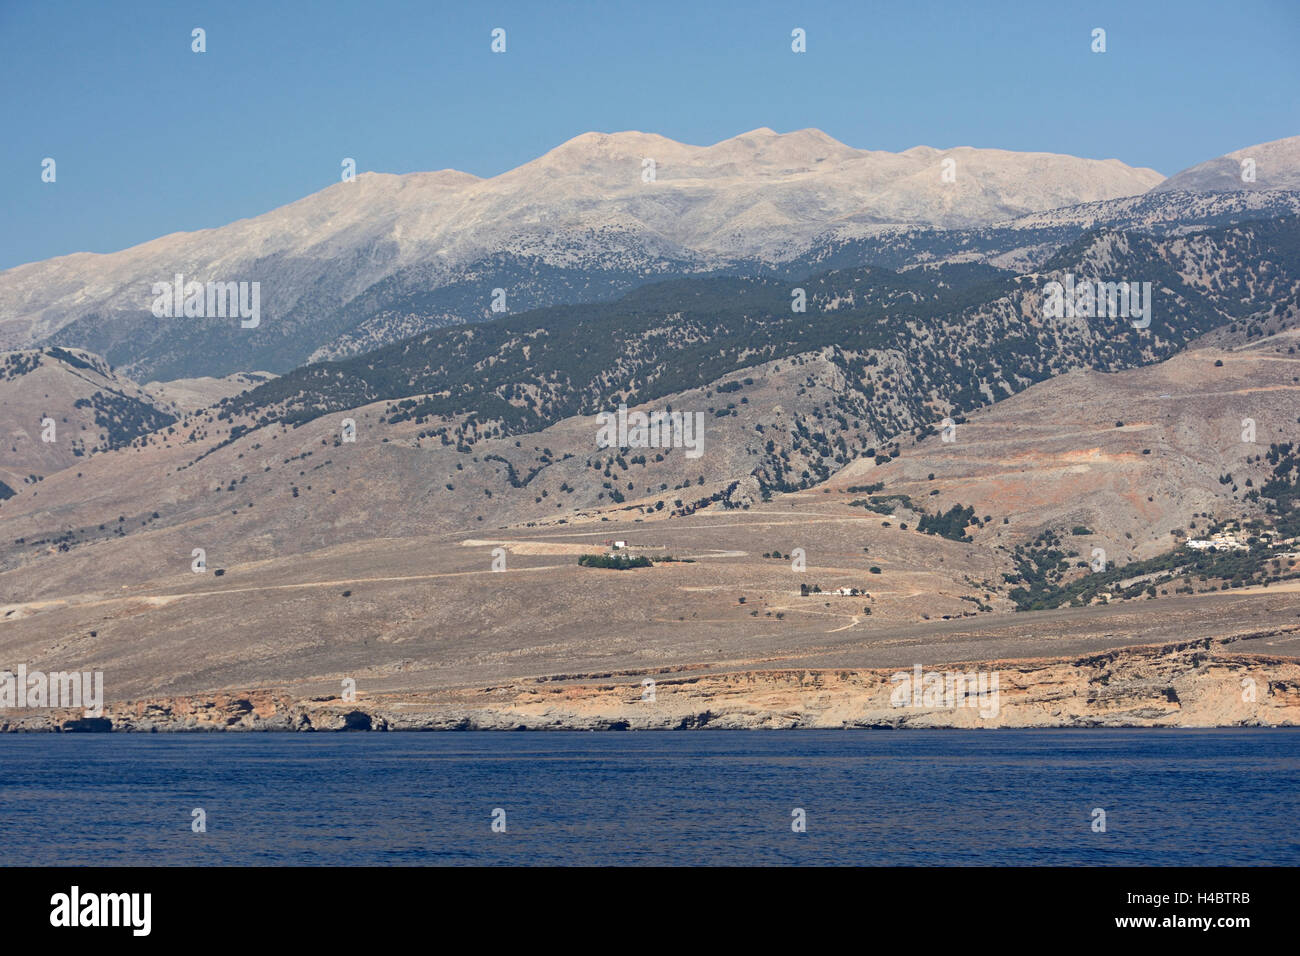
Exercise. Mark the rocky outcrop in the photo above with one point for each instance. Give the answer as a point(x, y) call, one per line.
point(1193, 684)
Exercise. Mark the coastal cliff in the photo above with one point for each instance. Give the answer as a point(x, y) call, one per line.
point(1194, 684)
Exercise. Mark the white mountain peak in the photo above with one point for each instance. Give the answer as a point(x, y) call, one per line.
point(592, 198)
point(1272, 165)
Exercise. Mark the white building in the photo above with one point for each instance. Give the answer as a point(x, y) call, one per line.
point(1222, 541)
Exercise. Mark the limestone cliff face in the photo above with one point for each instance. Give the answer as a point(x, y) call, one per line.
point(1195, 684)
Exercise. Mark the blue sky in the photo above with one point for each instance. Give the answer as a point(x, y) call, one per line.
point(151, 138)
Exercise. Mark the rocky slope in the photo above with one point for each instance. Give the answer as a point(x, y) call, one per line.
point(1130, 457)
point(92, 407)
point(187, 395)
point(1264, 166)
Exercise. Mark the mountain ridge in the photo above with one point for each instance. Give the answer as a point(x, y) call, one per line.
point(361, 264)
point(590, 203)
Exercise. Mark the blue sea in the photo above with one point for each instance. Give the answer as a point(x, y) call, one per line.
point(1003, 797)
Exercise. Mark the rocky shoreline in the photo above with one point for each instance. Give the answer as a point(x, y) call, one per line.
point(1194, 684)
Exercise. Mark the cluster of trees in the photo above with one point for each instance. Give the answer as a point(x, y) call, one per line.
point(17, 363)
point(614, 562)
point(883, 504)
point(1283, 486)
point(124, 419)
point(951, 524)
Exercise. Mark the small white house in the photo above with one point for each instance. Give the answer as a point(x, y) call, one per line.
point(620, 544)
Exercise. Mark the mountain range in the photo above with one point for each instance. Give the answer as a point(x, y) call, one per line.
point(942, 448)
point(366, 262)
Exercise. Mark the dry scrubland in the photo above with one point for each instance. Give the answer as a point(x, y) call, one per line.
point(357, 561)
